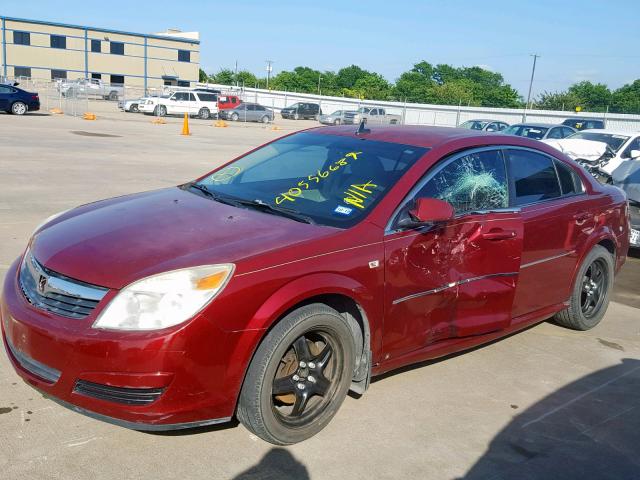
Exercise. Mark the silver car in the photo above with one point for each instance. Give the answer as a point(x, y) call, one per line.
point(539, 131)
point(338, 117)
point(248, 112)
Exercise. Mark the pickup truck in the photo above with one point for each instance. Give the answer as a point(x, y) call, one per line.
point(374, 115)
point(91, 87)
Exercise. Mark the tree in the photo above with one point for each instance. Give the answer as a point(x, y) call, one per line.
point(223, 77)
point(593, 96)
point(203, 77)
point(347, 77)
point(246, 78)
point(557, 101)
point(626, 99)
point(371, 86)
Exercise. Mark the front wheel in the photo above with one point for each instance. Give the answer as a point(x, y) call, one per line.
point(234, 117)
point(590, 297)
point(265, 119)
point(160, 111)
point(113, 96)
point(299, 376)
point(337, 121)
point(296, 116)
point(19, 108)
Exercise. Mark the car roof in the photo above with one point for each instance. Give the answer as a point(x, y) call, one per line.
point(582, 119)
point(429, 137)
point(483, 120)
point(539, 124)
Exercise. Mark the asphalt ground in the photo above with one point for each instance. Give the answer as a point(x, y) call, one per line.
point(545, 403)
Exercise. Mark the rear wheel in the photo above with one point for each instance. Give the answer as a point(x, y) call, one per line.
point(160, 111)
point(299, 376)
point(19, 108)
point(337, 121)
point(265, 119)
point(113, 95)
point(590, 297)
point(204, 113)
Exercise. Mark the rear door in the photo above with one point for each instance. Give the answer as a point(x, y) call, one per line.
point(553, 224)
point(5, 97)
point(457, 278)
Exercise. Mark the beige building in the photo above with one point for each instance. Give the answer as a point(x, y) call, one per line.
point(48, 50)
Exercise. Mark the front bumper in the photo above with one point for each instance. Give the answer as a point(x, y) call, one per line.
point(188, 365)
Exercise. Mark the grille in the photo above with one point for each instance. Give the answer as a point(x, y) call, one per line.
point(125, 395)
point(56, 293)
point(46, 373)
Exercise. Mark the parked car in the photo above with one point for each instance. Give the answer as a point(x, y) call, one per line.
point(627, 177)
point(375, 115)
point(272, 285)
point(338, 117)
point(228, 102)
point(248, 112)
point(302, 110)
point(484, 125)
point(539, 131)
point(17, 101)
point(201, 104)
point(130, 105)
point(583, 123)
point(601, 151)
point(92, 88)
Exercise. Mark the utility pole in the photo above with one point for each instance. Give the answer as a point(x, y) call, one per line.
point(533, 72)
point(319, 76)
point(235, 75)
point(269, 70)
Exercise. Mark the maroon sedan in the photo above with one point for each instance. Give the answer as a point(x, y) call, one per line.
point(273, 285)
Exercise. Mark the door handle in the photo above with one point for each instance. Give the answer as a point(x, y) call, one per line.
point(499, 234)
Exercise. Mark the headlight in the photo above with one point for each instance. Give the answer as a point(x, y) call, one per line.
point(48, 219)
point(164, 300)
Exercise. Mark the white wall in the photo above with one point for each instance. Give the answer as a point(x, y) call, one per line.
point(425, 114)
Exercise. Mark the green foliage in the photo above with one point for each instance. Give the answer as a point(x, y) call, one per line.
point(626, 99)
point(203, 77)
point(224, 77)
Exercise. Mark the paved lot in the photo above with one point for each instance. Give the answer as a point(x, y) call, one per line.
point(546, 403)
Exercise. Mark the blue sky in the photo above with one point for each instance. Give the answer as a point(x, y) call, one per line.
point(577, 40)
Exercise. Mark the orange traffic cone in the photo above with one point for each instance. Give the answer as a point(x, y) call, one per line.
point(185, 125)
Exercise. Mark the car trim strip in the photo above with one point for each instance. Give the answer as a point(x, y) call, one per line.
point(453, 284)
point(38, 369)
point(547, 259)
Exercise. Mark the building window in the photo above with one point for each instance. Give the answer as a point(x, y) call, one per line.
point(184, 56)
point(183, 83)
point(55, 74)
point(96, 46)
point(97, 76)
point(117, 79)
point(22, 72)
point(22, 38)
point(58, 41)
point(116, 48)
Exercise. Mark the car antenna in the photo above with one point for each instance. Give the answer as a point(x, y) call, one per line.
point(362, 129)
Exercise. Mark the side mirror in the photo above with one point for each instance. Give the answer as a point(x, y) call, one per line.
point(491, 129)
point(634, 154)
point(426, 211)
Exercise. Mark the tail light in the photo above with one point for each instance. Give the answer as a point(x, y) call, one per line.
point(35, 97)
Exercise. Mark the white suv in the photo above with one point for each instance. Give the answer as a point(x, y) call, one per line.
point(200, 104)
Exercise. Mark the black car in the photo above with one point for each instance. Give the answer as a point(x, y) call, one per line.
point(583, 123)
point(302, 110)
point(17, 101)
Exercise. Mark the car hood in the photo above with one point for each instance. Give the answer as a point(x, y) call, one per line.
point(579, 148)
point(114, 242)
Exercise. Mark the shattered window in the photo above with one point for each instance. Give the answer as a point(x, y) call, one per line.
point(476, 181)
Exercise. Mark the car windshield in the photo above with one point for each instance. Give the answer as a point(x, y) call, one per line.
point(474, 124)
point(333, 180)
point(614, 141)
point(337, 113)
point(528, 131)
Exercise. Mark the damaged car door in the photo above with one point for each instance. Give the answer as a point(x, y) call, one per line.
point(455, 278)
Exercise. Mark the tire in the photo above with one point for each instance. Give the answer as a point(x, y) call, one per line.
point(160, 111)
point(113, 96)
point(591, 293)
point(204, 114)
point(234, 117)
point(299, 411)
point(19, 108)
point(337, 121)
point(296, 116)
point(265, 119)
point(316, 118)
point(134, 108)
